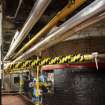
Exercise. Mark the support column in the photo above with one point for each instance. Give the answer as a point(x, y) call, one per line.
point(0, 48)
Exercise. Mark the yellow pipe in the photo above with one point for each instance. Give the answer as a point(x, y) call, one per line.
point(37, 84)
point(69, 8)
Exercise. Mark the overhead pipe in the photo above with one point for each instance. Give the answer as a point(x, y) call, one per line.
point(81, 26)
point(67, 29)
point(17, 10)
point(14, 38)
point(87, 23)
point(37, 11)
point(74, 30)
point(50, 61)
point(69, 8)
point(76, 37)
point(90, 22)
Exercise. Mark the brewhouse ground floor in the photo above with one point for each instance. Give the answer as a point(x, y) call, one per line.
point(14, 100)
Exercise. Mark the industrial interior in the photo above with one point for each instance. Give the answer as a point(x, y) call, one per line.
point(52, 52)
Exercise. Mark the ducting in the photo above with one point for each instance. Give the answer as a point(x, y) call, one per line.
point(69, 8)
point(37, 11)
point(67, 28)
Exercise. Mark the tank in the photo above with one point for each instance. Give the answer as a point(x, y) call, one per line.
point(77, 84)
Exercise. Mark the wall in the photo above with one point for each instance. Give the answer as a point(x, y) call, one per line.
point(9, 84)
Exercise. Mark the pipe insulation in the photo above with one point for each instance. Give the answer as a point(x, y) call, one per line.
point(65, 29)
point(37, 11)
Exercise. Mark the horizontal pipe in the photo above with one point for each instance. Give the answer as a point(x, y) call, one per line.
point(14, 38)
point(69, 8)
point(78, 58)
point(81, 26)
point(92, 35)
point(37, 11)
point(87, 23)
point(18, 8)
point(65, 29)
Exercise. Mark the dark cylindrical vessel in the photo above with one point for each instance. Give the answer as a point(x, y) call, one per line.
point(80, 84)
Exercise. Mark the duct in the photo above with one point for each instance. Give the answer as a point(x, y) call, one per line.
point(69, 8)
point(67, 29)
point(38, 9)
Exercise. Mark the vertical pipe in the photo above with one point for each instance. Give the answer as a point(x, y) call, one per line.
point(37, 84)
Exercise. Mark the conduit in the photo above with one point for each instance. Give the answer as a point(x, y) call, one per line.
point(37, 11)
point(65, 29)
point(69, 8)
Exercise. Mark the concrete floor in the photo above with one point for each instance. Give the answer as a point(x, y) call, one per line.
point(13, 100)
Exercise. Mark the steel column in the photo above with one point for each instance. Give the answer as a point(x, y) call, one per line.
point(0, 48)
